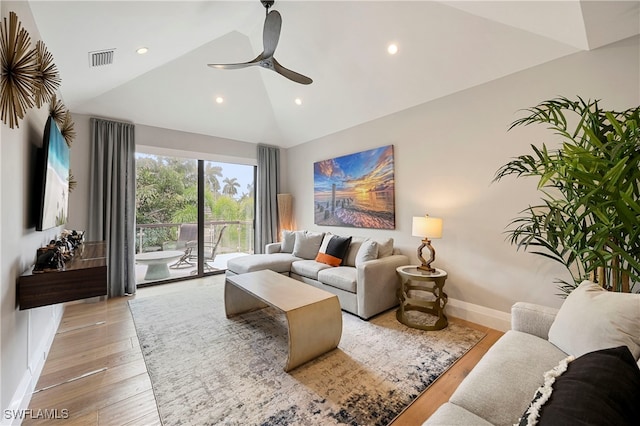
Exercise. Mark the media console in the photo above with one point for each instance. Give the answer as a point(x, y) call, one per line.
point(84, 276)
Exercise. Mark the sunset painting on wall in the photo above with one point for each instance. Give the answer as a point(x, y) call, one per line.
point(356, 190)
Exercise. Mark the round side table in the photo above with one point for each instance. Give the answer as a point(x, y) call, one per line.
point(157, 262)
point(415, 282)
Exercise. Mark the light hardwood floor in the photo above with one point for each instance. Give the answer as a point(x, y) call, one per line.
point(95, 369)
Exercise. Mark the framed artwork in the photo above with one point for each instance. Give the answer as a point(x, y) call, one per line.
point(356, 190)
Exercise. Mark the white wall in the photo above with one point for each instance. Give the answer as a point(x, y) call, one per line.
point(25, 336)
point(446, 154)
point(79, 167)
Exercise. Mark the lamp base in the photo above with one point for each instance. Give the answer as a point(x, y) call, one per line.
point(426, 268)
point(426, 265)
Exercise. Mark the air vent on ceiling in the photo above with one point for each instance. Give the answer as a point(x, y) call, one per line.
point(101, 57)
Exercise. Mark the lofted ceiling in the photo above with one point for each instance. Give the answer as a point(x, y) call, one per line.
point(443, 47)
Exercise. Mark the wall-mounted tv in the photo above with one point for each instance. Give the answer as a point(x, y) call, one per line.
point(54, 178)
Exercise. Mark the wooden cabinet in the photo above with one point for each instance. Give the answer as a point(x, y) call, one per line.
point(84, 276)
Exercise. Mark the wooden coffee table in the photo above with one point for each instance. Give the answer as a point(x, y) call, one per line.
point(313, 315)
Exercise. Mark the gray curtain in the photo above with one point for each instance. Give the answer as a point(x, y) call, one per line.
point(112, 200)
point(267, 188)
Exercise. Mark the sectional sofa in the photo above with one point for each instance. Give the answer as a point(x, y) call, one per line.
point(575, 365)
point(364, 276)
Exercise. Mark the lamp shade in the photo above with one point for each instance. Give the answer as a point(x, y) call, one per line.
point(427, 226)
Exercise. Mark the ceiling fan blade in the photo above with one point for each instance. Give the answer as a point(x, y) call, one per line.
point(256, 61)
point(270, 38)
point(271, 32)
point(291, 75)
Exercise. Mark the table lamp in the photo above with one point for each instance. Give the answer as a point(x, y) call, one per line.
point(426, 227)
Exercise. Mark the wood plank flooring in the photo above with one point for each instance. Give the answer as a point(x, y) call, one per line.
point(95, 373)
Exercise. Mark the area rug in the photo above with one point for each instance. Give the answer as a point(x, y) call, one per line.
point(209, 370)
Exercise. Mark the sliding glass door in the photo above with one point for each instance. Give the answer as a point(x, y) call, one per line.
point(192, 216)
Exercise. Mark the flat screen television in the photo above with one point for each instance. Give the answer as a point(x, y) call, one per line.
point(53, 178)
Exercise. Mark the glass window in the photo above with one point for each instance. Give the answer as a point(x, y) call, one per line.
point(167, 227)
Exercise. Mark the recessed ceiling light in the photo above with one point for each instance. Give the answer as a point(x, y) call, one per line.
point(219, 99)
point(392, 49)
point(298, 101)
point(142, 50)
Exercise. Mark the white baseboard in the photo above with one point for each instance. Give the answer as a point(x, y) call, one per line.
point(14, 414)
point(479, 314)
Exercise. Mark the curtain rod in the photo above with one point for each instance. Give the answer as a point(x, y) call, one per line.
point(112, 120)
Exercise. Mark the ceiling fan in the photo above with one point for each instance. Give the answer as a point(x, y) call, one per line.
point(270, 37)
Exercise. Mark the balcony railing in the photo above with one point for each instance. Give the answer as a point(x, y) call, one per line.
point(237, 237)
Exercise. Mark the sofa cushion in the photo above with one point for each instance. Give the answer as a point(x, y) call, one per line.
point(598, 388)
point(308, 268)
point(333, 249)
point(593, 318)
point(307, 244)
point(278, 262)
point(288, 241)
point(342, 277)
point(362, 249)
point(449, 414)
point(501, 385)
point(352, 251)
point(368, 251)
point(385, 247)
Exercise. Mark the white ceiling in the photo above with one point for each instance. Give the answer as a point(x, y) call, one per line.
point(444, 47)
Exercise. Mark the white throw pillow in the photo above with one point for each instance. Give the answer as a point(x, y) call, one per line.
point(385, 247)
point(368, 251)
point(592, 318)
point(288, 241)
point(350, 260)
point(307, 244)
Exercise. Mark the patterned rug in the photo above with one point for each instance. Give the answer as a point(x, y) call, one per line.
point(210, 370)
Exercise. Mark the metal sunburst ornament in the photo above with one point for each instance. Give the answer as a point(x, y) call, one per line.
point(48, 79)
point(57, 110)
point(18, 71)
point(73, 183)
point(67, 130)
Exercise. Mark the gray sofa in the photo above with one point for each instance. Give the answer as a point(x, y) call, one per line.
point(365, 283)
point(502, 385)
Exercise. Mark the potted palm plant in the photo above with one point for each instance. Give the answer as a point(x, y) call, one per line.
point(588, 217)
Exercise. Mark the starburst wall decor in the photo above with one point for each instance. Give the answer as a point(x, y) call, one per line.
point(57, 110)
point(18, 71)
point(27, 77)
point(47, 80)
point(62, 116)
point(67, 130)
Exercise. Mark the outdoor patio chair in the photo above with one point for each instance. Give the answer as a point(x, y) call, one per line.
point(210, 251)
point(184, 262)
point(187, 237)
